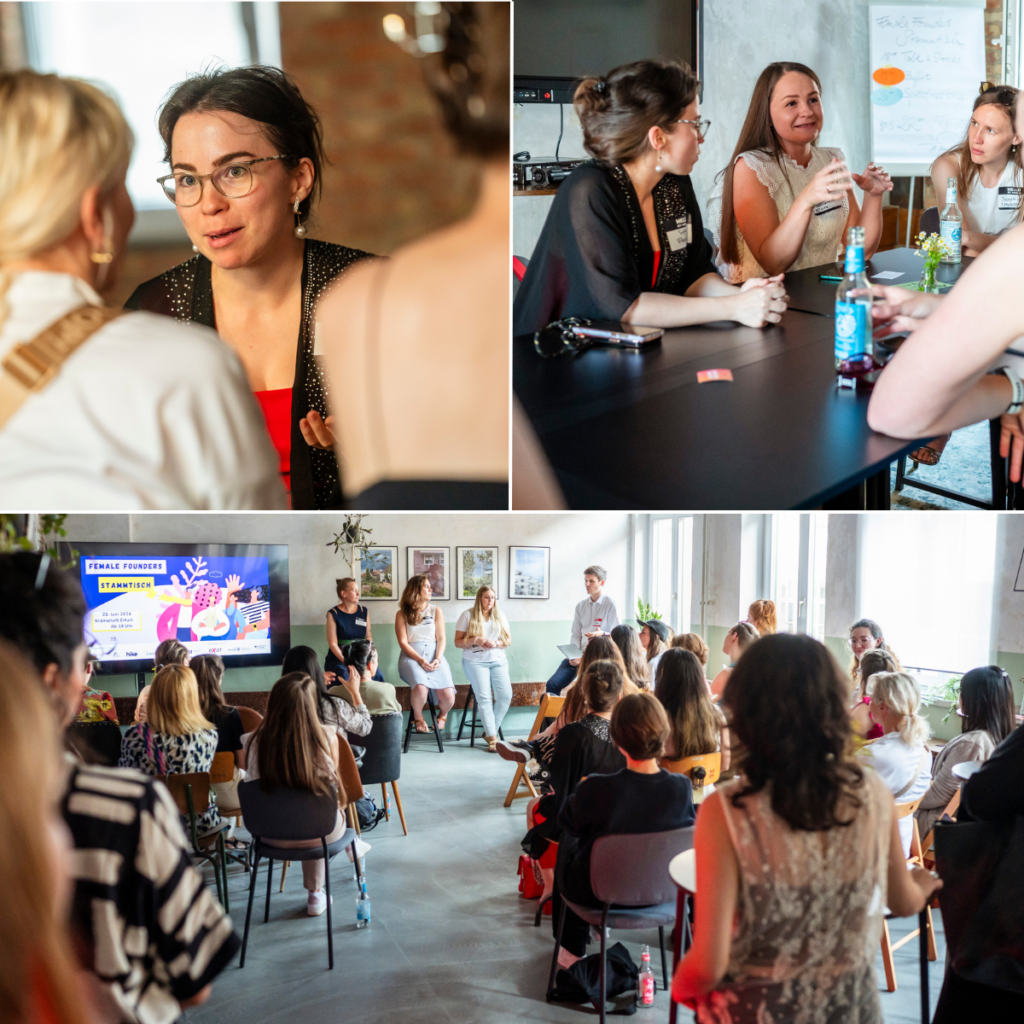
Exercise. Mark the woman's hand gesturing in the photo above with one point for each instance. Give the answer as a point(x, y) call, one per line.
point(874, 181)
point(829, 183)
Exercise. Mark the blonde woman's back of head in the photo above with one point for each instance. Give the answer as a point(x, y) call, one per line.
point(67, 136)
point(899, 692)
point(174, 707)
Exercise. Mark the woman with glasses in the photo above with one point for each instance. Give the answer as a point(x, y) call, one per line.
point(866, 635)
point(784, 202)
point(624, 239)
point(246, 153)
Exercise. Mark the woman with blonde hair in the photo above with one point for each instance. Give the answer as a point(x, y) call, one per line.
point(482, 634)
point(761, 615)
point(41, 983)
point(168, 652)
point(900, 755)
point(871, 663)
point(693, 643)
point(290, 748)
point(176, 737)
point(419, 627)
point(183, 431)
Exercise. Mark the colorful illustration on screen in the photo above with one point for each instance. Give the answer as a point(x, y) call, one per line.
point(212, 605)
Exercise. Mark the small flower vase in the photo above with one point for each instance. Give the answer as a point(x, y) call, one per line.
point(927, 282)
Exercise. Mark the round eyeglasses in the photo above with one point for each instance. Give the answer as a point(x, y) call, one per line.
point(234, 180)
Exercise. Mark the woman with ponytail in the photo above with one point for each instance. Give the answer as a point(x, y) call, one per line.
point(141, 412)
point(899, 755)
point(624, 239)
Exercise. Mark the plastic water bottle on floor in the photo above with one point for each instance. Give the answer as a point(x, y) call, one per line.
point(362, 906)
point(645, 983)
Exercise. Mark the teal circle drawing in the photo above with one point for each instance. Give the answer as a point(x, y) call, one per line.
point(886, 96)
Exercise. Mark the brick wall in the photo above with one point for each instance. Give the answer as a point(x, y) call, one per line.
point(993, 30)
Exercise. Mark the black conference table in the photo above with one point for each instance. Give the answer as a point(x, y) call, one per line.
point(629, 430)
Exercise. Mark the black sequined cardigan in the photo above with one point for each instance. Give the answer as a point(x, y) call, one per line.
point(185, 293)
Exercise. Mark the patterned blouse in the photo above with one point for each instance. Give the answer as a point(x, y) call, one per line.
point(156, 753)
point(185, 292)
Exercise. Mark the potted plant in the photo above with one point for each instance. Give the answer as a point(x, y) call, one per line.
point(352, 537)
point(932, 248)
point(644, 612)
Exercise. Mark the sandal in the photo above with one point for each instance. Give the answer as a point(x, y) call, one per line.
point(441, 719)
point(926, 456)
point(419, 725)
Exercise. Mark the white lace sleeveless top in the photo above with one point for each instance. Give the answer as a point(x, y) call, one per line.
point(810, 904)
point(424, 630)
point(823, 242)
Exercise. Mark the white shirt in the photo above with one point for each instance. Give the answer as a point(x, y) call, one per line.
point(590, 615)
point(653, 666)
point(491, 631)
point(896, 761)
point(149, 413)
point(993, 210)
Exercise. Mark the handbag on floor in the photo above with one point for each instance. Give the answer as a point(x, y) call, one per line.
point(529, 885)
point(581, 983)
point(981, 865)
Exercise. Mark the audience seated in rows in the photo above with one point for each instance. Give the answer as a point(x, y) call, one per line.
point(581, 748)
point(986, 701)
point(638, 669)
point(176, 738)
point(128, 917)
point(696, 725)
point(791, 856)
point(209, 672)
point(168, 652)
point(900, 755)
point(380, 698)
point(335, 714)
point(737, 640)
point(96, 733)
point(292, 748)
point(639, 798)
point(871, 663)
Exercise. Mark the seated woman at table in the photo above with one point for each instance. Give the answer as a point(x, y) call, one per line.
point(640, 798)
point(785, 203)
point(986, 165)
point(900, 756)
point(793, 854)
point(871, 663)
point(935, 383)
point(987, 705)
point(737, 640)
point(624, 239)
point(697, 725)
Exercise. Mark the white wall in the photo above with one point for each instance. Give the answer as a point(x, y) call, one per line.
point(576, 541)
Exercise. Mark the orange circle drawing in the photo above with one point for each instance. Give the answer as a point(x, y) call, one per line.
point(888, 75)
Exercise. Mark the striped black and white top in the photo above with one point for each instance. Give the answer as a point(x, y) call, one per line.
point(156, 934)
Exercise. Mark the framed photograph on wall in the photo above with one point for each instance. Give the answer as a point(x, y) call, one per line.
point(432, 563)
point(378, 574)
point(475, 568)
point(529, 573)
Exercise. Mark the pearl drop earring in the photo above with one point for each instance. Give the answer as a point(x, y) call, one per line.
point(657, 163)
point(300, 228)
point(195, 248)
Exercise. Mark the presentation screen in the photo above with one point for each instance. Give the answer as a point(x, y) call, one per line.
point(226, 599)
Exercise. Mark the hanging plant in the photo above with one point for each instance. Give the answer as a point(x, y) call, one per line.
point(38, 533)
point(352, 537)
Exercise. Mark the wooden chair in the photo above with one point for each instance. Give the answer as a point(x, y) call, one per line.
point(191, 793)
point(348, 772)
point(929, 840)
point(711, 771)
point(915, 859)
point(250, 718)
point(223, 770)
point(550, 707)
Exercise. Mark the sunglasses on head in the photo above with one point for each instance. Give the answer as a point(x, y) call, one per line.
point(1005, 94)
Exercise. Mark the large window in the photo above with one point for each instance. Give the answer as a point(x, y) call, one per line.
point(137, 52)
point(664, 579)
point(796, 549)
point(927, 579)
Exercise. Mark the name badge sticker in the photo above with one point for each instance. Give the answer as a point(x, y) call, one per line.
point(1009, 197)
point(681, 235)
point(360, 622)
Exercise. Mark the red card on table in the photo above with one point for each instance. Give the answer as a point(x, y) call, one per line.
point(703, 376)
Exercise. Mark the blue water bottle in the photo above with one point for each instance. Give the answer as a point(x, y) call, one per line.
point(853, 311)
point(362, 906)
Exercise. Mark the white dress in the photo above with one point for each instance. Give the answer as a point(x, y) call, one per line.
point(148, 413)
point(423, 639)
point(785, 180)
point(808, 917)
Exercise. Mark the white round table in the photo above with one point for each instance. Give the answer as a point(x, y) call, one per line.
point(965, 769)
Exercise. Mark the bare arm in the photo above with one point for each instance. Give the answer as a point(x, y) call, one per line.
point(718, 877)
point(332, 638)
point(439, 634)
point(460, 639)
point(366, 615)
point(937, 381)
point(709, 299)
point(725, 746)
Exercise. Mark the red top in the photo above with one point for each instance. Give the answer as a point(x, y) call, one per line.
point(277, 411)
point(876, 730)
point(657, 263)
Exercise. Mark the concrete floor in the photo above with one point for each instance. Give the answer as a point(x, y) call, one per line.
point(964, 467)
point(450, 939)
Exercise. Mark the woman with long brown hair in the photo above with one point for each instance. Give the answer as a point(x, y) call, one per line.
point(40, 983)
point(291, 749)
point(697, 725)
point(209, 671)
point(638, 669)
point(624, 239)
point(419, 627)
point(797, 858)
point(783, 202)
point(176, 736)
